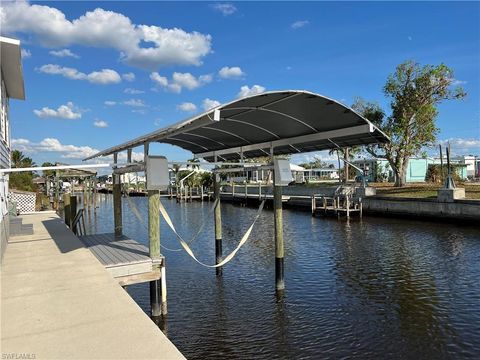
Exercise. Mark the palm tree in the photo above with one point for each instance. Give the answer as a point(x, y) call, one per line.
point(352, 151)
point(19, 160)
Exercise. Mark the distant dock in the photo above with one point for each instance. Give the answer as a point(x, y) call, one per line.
point(58, 301)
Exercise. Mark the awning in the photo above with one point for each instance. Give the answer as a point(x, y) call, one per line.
point(278, 122)
point(11, 63)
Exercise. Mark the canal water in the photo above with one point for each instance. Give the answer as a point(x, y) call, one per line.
point(377, 288)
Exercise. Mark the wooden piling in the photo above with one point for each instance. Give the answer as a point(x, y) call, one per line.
point(117, 201)
point(218, 224)
point(66, 210)
point(279, 247)
point(73, 212)
point(154, 247)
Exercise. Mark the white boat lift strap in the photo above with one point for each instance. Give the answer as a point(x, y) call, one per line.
point(189, 251)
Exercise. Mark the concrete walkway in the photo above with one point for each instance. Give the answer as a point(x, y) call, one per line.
point(59, 302)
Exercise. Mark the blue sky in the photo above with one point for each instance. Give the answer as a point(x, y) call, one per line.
point(97, 74)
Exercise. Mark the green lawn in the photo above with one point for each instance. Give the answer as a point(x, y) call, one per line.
point(422, 190)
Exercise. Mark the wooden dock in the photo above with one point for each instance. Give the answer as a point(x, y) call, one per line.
point(336, 205)
point(125, 259)
point(59, 302)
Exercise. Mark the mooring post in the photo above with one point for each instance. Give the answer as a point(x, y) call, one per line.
point(218, 222)
point(157, 296)
point(279, 248)
point(117, 199)
point(154, 241)
point(246, 191)
point(73, 210)
point(66, 210)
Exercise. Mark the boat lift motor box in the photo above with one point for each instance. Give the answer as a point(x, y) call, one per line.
point(283, 174)
point(157, 173)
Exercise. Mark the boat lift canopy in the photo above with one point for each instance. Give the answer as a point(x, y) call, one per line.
point(272, 123)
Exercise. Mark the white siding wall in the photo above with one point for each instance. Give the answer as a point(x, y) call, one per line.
point(4, 163)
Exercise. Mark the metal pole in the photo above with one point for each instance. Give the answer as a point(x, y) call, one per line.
point(117, 201)
point(218, 223)
point(279, 247)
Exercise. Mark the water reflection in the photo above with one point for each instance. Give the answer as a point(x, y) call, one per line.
point(376, 288)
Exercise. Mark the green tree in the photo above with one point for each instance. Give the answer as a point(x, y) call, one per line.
point(316, 163)
point(415, 92)
point(19, 160)
point(21, 180)
point(47, 173)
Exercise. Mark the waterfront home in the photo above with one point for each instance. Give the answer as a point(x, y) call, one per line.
point(379, 170)
point(12, 87)
point(321, 174)
point(262, 175)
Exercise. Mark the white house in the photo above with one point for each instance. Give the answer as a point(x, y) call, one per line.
point(12, 87)
point(319, 174)
point(262, 175)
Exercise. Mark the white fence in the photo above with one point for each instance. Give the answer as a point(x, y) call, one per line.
point(24, 200)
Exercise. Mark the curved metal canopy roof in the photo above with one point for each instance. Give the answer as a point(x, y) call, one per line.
point(282, 122)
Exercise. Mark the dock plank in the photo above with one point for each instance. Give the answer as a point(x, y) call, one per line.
point(121, 255)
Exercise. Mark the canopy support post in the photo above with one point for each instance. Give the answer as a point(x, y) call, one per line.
point(156, 295)
point(218, 222)
point(279, 246)
point(117, 199)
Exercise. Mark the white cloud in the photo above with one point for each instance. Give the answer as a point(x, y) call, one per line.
point(299, 24)
point(225, 8)
point(133, 91)
point(104, 76)
point(254, 90)
point(161, 81)
point(67, 111)
point(110, 103)
point(233, 72)
point(53, 145)
point(128, 77)
point(312, 156)
point(456, 82)
point(26, 53)
point(180, 81)
point(138, 45)
point(135, 103)
point(208, 104)
point(64, 53)
point(461, 144)
point(100, 123)
point(187, 107)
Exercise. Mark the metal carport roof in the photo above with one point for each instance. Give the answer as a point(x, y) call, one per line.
point(284, 122)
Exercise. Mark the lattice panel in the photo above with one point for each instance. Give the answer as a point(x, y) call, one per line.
point(25, 201)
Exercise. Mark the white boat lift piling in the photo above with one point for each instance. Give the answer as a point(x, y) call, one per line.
point(270, 124)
